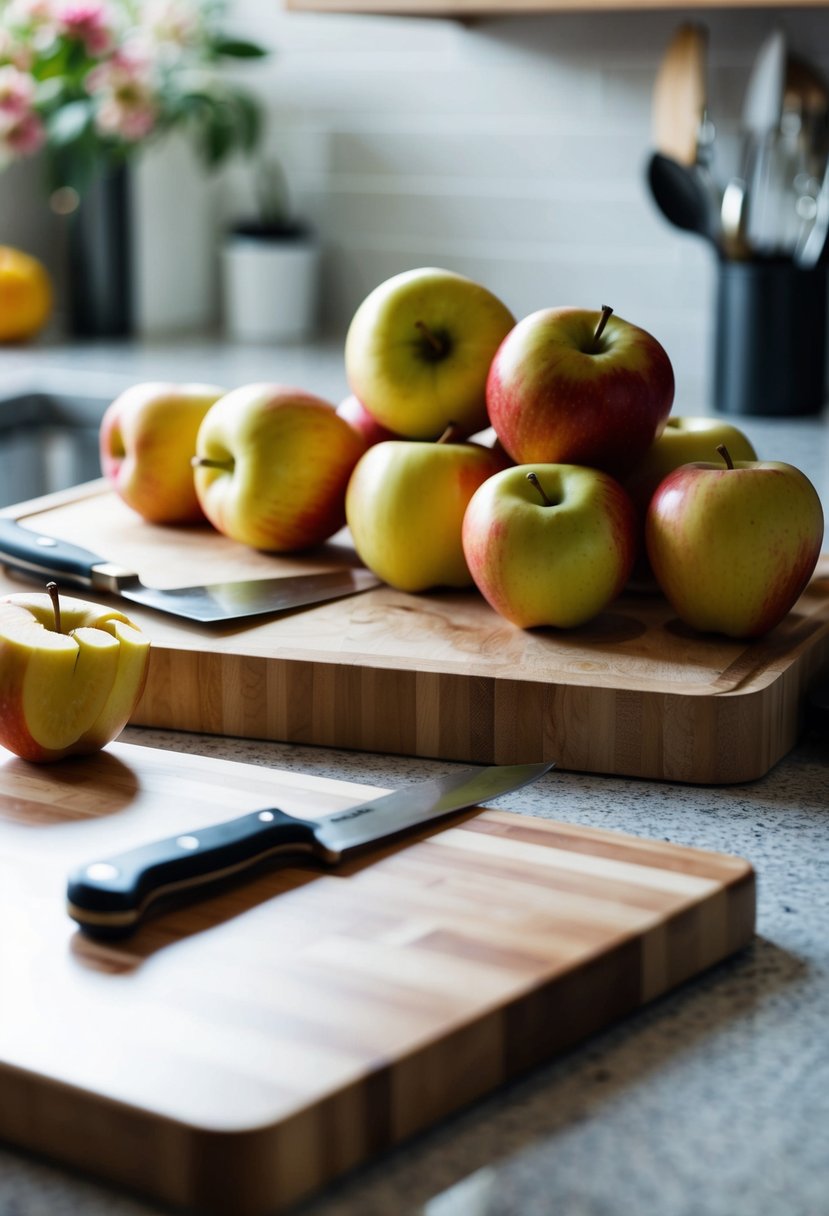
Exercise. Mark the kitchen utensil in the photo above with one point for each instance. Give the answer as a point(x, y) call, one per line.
point(112, 896)
point(681, 195)
point(36, 554)
point(442, 675)
point(679, 98)
point(733, 241)
point(810, 248)
point(240, 1053)
point(760, 121)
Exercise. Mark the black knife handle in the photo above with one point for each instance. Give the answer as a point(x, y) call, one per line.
point(35, 553)
point(109, 897)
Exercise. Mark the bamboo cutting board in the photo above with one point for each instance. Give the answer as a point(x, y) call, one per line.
point(633, 692)
point(238, 1054)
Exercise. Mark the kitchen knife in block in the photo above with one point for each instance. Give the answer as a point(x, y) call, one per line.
point(37, 555)
point(109, 897)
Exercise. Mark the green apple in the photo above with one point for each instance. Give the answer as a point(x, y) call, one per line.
point(419, 348)
point(272, 465)
point(550, 544)
point(147, 438)
point(405, 505)
point(733, 544)
point(71, 673)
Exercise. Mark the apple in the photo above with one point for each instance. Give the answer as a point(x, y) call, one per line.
point(71, 674)
point(684, 440)
point(405, 505)
point(147, 437)
point(272, 464)
point(418, 350)
point(550, 544)
point(733, 544)
point(364, 423)
point(572, 386)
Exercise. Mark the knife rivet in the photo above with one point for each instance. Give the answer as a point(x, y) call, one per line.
point(266, 816)
point(100, 871)
point(46, 542)
point(188, 842)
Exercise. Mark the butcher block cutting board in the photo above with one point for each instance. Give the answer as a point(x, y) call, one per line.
point(234, 1055)
point(633, 692)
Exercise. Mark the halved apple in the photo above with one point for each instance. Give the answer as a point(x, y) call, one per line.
point(68, 681)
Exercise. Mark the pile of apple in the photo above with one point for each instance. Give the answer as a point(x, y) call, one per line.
point(534, 459)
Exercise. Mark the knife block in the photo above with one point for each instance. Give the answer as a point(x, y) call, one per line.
point(770, 338)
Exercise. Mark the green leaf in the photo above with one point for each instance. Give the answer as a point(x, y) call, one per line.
point(69, 124)
point(237, 48)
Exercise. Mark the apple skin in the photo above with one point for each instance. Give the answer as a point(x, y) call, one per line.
point(147, 437)
point(554, 395)
point(418, 350)
point(558, 564)
point(405, 506)
point(364, 423)
point(733, 548)
point(71, 692)
point(685, 440)
point(283, 460)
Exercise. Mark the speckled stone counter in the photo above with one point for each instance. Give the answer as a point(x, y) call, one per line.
point(713, 1101)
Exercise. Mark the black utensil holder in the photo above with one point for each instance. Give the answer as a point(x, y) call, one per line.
point(770, 339)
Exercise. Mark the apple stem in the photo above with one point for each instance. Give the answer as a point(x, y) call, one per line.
point(607, 312)
point(726, 455)
point(204, 462)
point(52, 588)
point(451, 433)
point(533, 477)
point(431, 338)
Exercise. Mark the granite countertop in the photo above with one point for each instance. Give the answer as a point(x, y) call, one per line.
point(712, 1101)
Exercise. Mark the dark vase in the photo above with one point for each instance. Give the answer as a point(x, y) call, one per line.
point(99, 292)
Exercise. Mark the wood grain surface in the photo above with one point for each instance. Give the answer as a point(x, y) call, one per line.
point(237, 1054)
point(634, 692)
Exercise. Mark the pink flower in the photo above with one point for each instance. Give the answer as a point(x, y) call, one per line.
point(22, 135)
point(17, 91)
point(86, 21)
point(127, 104)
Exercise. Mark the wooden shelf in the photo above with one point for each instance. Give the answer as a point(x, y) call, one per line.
point(484, 8)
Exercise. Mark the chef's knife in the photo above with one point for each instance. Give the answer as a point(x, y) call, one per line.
point(36, 555)
point(108, 897)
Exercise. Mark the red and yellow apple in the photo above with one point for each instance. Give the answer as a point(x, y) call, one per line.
point(418, 351)
point(572, 386)
point(272, 465)
point(69, 679)
point(364, 423)
point(550, 544)
point(147, 438)
point(405, 505)
point(733, 544)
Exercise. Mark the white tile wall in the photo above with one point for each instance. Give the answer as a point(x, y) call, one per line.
point(510, 149)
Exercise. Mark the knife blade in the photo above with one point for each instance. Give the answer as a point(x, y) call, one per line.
point(38, 555)
point(109, 897)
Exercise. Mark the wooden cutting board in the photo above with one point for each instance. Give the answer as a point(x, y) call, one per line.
point(236, 1055)
point(634, 692)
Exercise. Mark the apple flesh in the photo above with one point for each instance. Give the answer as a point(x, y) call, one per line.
point(572, 386)
point(272, 465)
point(418, 351)
point(147, 438)
point(405, 505)
point(733, 547)
point(67, 691)
point(550, 544)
